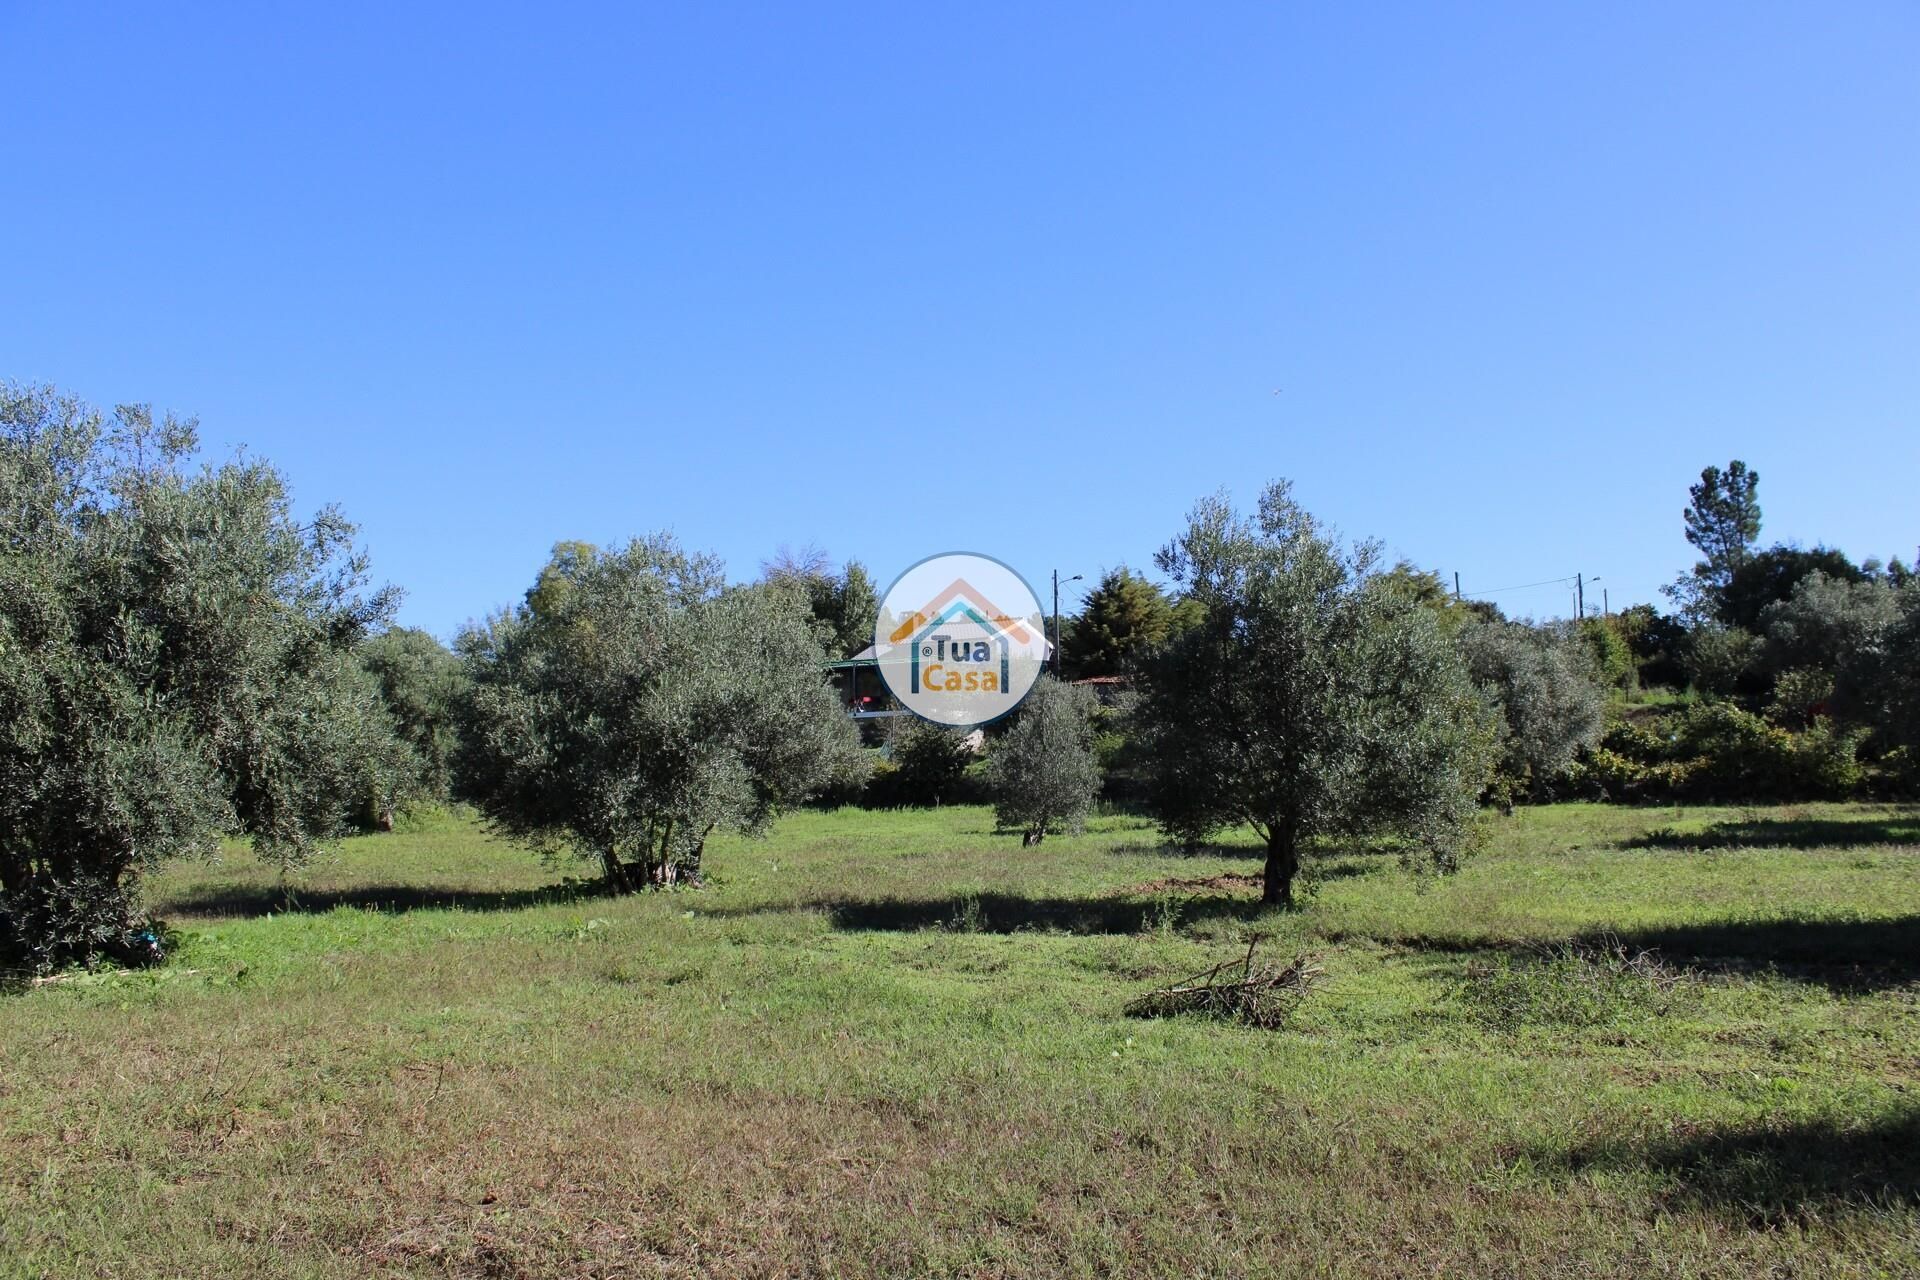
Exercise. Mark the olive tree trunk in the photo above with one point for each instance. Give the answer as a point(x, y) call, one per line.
point(1283, 863)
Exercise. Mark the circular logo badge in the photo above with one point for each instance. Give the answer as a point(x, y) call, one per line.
point(960, 639)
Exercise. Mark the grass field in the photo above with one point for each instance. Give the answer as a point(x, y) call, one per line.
point(892, 1044)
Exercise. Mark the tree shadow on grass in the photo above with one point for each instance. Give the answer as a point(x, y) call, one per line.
point(248, 901)
point(1846, 956)
point(1774, 1174)
point(1787, 833)
point(1013, 913)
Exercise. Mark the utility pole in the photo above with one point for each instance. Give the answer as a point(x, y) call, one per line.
point(1053, 659)
point(1456, 584)
point(1580, 594)
point(1606, 609)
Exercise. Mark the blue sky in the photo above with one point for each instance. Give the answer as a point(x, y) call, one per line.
point(1491, 283)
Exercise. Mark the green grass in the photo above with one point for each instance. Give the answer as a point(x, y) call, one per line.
point(892, 1044)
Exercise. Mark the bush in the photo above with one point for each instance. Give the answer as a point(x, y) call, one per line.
point(1718, 752)
point(851, 780)
point(1739, 756)
point(1799, 697)
point(1607, 649)
point(1724, 661)
point(1043, 775)
point(927, 766)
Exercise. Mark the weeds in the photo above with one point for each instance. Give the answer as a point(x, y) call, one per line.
point(1575, 984)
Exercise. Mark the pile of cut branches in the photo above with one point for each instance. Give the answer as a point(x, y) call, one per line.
point(1236, 990)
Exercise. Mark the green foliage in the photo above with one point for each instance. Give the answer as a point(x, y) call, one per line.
point(1425, 588)
point(1310, 700)
point(843, 605)
point(928, 763)
point(1832, 624)
point(176, 665)
point(568, 563)
point(1723, 661)
point(1608, 653)
point(1540, 689)
point(1889, 678)
point(1799, 697)
point(645, 709)
point(1722, 520)
point(1771, 575)
point(1124, 618)
point(1742, 757)
point(1043, 774)
point(1715, 751)
point(422, 683)
point(1657, 644)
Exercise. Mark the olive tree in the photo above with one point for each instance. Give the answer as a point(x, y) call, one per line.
point(1309, 699)
point(1861, 637)
point(421, 682)
point(644, 708)
point(1888, 678)
point(1043, 775)
point(176, 665)
point(1828, 622)
point(1541, 688)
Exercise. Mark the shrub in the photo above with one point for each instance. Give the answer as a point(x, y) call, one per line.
point(1718, 752)
point(926, 767)
point(1739, 756)
point(1724, 660)
point(1799, 697)
point(1608, 652)
point(1043, 775)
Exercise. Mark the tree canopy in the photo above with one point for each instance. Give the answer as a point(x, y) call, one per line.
point(648, 708)
point(423, 684)
point(1541, 687)
point(1043, 774)
point(1722, 520)
point(1311, 699)
point(843, 605)
point(1771, 575)
point(1123, 618)
point(176, 665)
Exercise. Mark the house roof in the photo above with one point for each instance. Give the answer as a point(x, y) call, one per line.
point(870, 655)
point(954, 590)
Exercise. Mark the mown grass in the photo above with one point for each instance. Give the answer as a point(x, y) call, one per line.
point(892, 1044)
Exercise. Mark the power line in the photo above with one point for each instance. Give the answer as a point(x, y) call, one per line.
point(1524, 586)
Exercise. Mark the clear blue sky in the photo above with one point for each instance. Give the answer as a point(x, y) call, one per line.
point(1491, 283)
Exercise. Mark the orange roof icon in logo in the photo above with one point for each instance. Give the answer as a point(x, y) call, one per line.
point(957, 589)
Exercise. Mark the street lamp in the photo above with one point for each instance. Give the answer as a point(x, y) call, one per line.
point(1053, 659)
